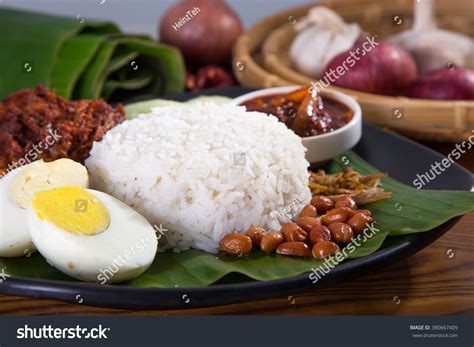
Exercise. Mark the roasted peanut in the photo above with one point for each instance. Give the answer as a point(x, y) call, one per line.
point(293, 232)
point(256, 234)
point(340, 214)
point(346, 201)
point(309, 211)
point(322, 203)
point(324, 249)
point(359, 222)
point(296, 249)
point(366, 212)
point(270, 241)
point(236, 244)
point(319, 233)
point(307, 223)
point(341, 232)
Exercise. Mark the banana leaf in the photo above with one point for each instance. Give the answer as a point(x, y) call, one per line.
point(408, 211)
point(82, 59)
point(133, 110)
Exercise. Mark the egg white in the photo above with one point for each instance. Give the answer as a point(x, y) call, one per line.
point(95, 258)
point(15, 239)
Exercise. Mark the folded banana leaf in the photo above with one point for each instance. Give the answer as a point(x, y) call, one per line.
point(408, 211)
point(82, 59)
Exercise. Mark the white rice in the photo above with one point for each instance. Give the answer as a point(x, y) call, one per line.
point(203, 171)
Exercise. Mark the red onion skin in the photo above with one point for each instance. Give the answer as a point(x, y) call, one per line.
point(207, 38)
point(445, 84)
point(386, 69)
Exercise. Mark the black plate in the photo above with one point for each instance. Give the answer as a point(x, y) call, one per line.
point(400, 157)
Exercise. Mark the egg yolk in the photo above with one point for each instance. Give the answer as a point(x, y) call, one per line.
point(40, 176)
point(72, 209)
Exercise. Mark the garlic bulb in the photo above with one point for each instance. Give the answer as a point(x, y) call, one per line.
point(434, 48)
point(323, 34)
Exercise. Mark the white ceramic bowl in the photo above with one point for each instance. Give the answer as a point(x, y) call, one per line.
point(326, 146)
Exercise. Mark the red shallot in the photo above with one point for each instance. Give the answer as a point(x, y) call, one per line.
point(447, 84)
point(383, 69)
point(204, 30)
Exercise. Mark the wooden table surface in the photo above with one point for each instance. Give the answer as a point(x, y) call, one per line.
point(439, 280)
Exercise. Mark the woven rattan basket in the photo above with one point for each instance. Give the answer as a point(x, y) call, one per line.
point(261, 61)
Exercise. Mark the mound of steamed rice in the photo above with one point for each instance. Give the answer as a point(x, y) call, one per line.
point(203, 171)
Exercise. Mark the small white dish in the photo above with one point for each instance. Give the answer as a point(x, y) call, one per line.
point(326, 146)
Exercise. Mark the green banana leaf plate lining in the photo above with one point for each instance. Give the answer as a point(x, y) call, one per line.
point(408, 211)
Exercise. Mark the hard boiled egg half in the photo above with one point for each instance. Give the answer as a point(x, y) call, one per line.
point(17, 189)
point(90, 235)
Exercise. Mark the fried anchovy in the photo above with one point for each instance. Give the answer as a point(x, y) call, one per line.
point(364, 189)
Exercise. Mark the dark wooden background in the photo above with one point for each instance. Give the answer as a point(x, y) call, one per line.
point(438, 280)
